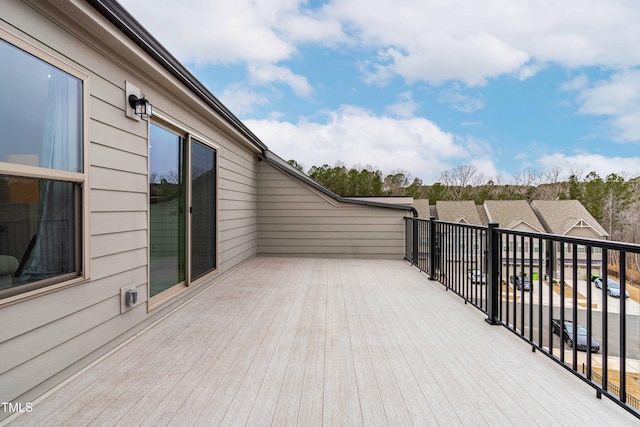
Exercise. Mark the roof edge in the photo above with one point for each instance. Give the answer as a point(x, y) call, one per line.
point(280, 164)
point(589, 226)
point(522, 221)
point(121, 19)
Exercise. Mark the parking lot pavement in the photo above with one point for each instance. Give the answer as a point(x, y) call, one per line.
point(613, 304)
point(632, 365)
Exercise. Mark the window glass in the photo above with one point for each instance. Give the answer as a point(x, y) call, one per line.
point(38, 231)
point(40, 113)
point(203, 209)
point(41, 119)
point(167, 209)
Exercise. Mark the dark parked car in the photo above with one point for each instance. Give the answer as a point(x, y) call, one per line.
point(613, 287)
point(567, 335)
point(521, 282)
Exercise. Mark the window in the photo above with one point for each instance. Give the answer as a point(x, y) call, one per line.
point(182, 208)
point(41, 170)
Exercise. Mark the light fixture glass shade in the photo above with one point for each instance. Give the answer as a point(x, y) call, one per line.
point(142, 106)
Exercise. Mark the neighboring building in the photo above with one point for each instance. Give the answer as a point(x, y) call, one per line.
point(423, 208)
point(467, 243)
point(464, 212)
point(561, 217)
point(513, 214)
point(571, 218)
point(484, 219)
point(97, 204)
point(568, 218)
point(516, 215)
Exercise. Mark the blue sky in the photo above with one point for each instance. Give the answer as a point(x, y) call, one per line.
point(421, 86)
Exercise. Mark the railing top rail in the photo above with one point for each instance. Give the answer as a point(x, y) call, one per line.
point(584, 241)
point(459, 224)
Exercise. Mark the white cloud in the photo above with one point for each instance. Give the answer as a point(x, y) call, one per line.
point(374, 73)
point(266, 74)
point(436, 58)
point(617, 98)
point(459, 101)
point(475, 41)
point(356, 136)
point(241, 99)
point(586, 162)
point(423, 40)
point(405, 107)
point(215, 31)
point(578, 83)
point(529, 70)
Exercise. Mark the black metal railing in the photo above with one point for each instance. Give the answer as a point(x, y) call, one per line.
point(539, 286)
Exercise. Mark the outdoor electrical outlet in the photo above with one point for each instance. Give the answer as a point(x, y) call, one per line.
point(129, 297)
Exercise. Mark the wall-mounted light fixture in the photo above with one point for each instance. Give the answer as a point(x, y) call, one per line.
point(142, 106)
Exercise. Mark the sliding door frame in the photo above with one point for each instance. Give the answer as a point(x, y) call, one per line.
point(190, 137)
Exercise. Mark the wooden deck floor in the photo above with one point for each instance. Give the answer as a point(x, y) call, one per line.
point(294, 341)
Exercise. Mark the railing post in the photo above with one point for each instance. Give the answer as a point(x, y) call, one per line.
point(493, 281)
point(432, 248)
point(415, 242)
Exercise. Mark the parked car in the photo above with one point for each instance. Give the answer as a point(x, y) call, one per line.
point(613, 287)
point(521, 282)
point(477, 276)
point(567, 335)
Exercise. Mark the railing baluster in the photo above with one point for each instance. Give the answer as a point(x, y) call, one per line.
point(605, 321)
point(623, 326)
point(589, 310)
point(562, 313)
point(531, 288)
point(508, 278)
point(493, 242)
point(540, 294)
point(574, 305)
point(550, 264)
point(523, 274)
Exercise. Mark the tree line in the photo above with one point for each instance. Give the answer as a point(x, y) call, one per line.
point(614, 201)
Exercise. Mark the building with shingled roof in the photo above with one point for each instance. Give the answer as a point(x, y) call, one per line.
point(571, 218)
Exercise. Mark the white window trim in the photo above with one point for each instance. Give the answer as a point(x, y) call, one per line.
point(44, 173)
point(187, 132)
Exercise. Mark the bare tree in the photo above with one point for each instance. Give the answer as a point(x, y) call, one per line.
point(527, 181)
point(462, 181)
point(553, 186)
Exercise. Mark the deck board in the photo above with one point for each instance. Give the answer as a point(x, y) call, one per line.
point(303, 341)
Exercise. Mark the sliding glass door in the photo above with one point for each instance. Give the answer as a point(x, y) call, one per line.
point(166, 209)
point(203, 209)
point(182, 209)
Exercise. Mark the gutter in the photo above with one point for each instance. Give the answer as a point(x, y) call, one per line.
point(119, 17)
point(277, 162)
